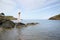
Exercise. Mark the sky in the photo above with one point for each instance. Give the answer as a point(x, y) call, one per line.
point(30, 9)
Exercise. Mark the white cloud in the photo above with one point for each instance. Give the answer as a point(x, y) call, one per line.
point(7, 5)
point(34, 4)
point(10, 5)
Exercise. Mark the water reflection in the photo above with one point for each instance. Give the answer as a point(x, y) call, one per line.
point(12, 34)
point(7, 35)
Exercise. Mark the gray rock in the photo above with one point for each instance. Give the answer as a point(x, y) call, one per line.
point(20, 24)
point(8, 24)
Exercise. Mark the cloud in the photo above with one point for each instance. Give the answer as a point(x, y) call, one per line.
point(12, 5)
point(35, 4)
point(7, 6)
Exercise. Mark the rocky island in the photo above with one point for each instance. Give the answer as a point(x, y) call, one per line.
point(56, 17)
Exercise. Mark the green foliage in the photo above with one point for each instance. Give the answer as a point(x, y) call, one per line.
point(10, 18)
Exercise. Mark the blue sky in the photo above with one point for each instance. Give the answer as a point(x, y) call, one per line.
point(30, 9)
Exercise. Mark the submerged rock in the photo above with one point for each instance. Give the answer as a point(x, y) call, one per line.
point(31, 23)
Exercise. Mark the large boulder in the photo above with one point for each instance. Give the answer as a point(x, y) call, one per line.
point(6, 23)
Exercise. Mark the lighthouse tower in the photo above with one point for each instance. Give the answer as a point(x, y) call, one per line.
point(19, 19)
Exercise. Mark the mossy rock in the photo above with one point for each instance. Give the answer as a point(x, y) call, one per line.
point(8, 24)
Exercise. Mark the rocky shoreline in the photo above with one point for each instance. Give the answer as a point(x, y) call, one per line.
point(7, 23)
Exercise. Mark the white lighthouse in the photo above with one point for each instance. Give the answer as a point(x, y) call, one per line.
point(19, 18)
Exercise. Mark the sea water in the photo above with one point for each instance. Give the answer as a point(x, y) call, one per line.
point(44, 30)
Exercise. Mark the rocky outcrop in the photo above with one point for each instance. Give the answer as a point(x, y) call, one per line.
point(20, 24)
point(6, 23)
point(31, 24)
point(10, 18)
point(57, 17)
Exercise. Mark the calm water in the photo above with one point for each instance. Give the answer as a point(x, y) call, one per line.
point(45, 30)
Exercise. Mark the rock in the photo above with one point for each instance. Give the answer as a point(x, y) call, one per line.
point(20, 24)
point(5, 22)
point(8, 24)
point(1, 29)
point(31, 23)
